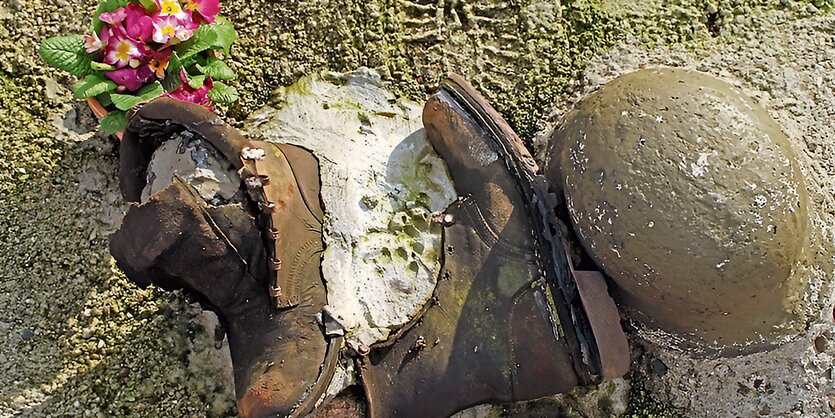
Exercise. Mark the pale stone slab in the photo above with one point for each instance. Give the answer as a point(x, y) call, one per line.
point(381, 181)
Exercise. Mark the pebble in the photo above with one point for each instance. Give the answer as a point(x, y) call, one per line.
point(658, 367)
point(87, 332)
point(26, 334)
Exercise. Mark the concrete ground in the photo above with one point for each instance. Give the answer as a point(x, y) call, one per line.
point(76, 339)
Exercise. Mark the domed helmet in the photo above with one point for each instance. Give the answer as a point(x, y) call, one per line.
point(688, 195)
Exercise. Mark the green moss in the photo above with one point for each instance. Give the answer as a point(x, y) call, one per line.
point(522, 58)
point(523, 72)
point(56, 266)
point(28, 147)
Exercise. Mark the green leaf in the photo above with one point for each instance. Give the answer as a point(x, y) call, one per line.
point(100, 66)
point(226, 34)
point(147, 93)
point(125, 101)
point(196, 81)
point(104, 99)
point(221, 93)
point(93, 85)
point(149, 5)
point(106, 6)
point(67, 53)
point(218, 35)
point(155, 89)
point(172, 73)
point(217, 70)
point(115, 121)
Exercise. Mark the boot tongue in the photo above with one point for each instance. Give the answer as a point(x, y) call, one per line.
point(216, 181)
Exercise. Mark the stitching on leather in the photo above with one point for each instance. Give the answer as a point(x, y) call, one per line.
point(514, 370)
point(297, 265)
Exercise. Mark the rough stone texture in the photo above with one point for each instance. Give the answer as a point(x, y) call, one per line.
point(524, 53)
point(58, 200)
point(197, 162)
point(381, 182)
point(688, 195)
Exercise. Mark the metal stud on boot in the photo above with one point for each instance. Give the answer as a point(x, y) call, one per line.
point(229, 256)
point(507, 322)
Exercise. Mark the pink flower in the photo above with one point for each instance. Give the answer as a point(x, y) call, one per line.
point(131, 79)
point(165, 28)
point(105, 36)
point(184, 33)
point(188, 94)
point(207, 9)
point(138, 24)
point(170, 8)
point(120, 48)
point(92, 43)
point(159, 62)
point(172, 29)
point(115, 17)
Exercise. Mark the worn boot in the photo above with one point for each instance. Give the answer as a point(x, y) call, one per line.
point(503, 325)
point(282, 360)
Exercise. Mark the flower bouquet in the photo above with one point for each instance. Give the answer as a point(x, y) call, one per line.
point(138, 50)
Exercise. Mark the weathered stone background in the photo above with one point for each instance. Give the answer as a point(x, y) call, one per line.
point(77, 340)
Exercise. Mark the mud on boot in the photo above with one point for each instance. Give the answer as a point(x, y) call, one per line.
point(509, 320)
point(229, 256)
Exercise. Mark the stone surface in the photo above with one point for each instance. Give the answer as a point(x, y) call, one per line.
point(197, 162)
point(689, 196)
point(381, 181)
point(777, 53)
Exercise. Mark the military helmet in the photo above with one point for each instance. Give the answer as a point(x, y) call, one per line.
point(687, 194)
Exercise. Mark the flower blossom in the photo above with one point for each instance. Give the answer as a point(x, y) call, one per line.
point(165, 28)
point(120, 48)
point(206, 9)
point(159, 62)
point(170, 29)
point(171, 8)
point(115, 17)
point(92, 43)
point(138, 25)
point(137, 43)
point(186, 93)
point(130, 79)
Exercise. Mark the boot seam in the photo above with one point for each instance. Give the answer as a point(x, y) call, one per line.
point(490, 237)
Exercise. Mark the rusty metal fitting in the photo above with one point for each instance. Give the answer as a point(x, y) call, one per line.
point(275, 264)
point(363, 350)
point(257, 182)
point(266, 207)
point(420, 343)
point(271, 233)
point(445, 219)
point(275, 291)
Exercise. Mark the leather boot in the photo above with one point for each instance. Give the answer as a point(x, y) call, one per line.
point(281, 358)
point(502, 325)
